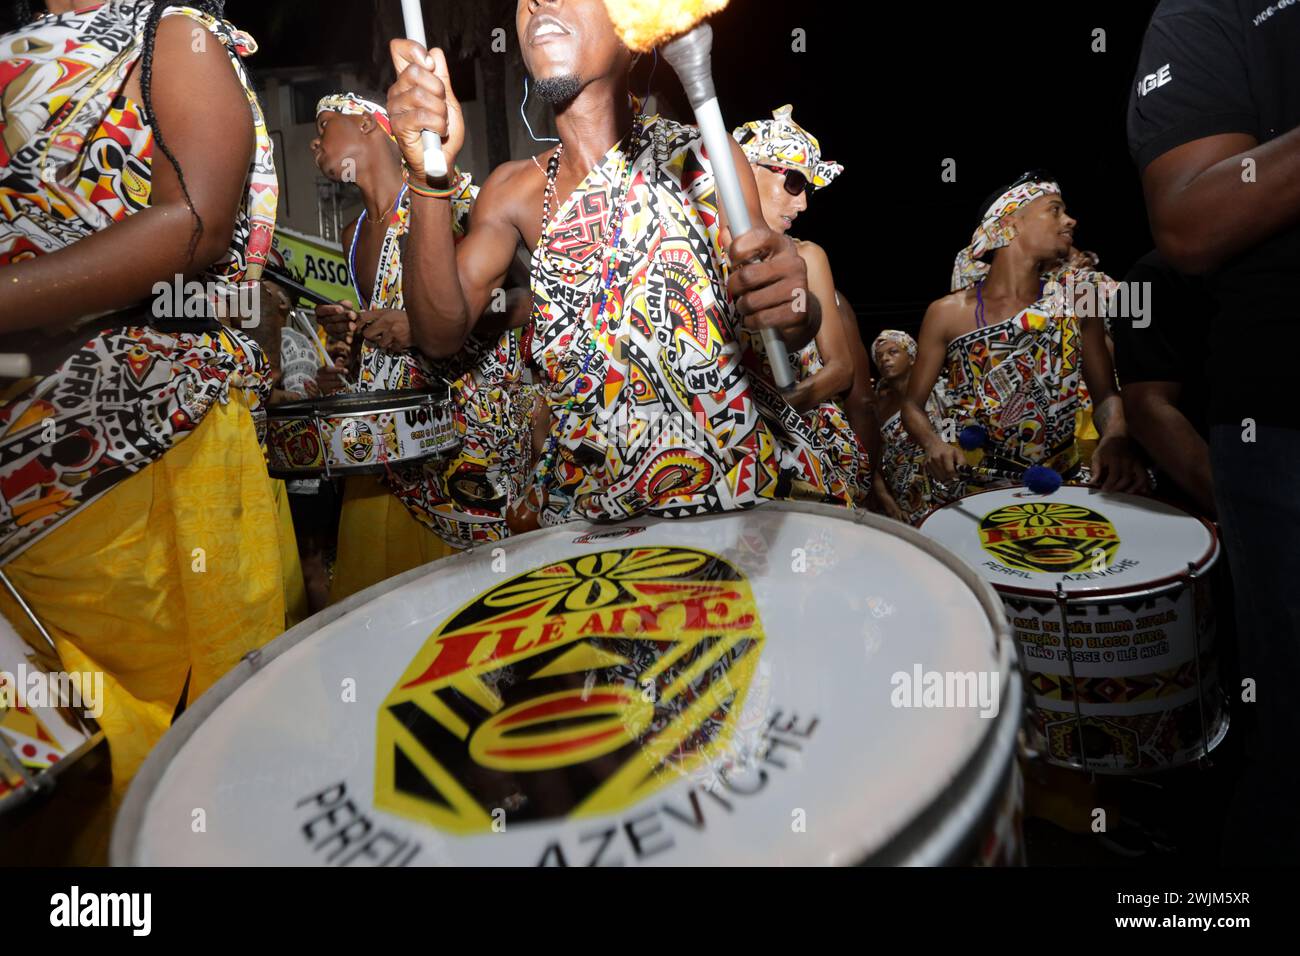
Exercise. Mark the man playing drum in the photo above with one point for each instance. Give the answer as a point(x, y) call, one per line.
point(657, 402)
point(421, 512)
point(1012, 347)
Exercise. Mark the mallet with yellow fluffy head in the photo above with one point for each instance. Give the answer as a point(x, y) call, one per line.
point(687, 44)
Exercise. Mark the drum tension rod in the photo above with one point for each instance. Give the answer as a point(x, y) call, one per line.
point(1061, 603)
point(31, 615)
point(1203, 761)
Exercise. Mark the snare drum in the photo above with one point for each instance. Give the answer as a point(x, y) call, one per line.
point(733, 689)
point(1136, 689)
point(365, 434)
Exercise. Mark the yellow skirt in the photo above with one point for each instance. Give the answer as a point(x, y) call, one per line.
point(174, 571)
point(378, 538)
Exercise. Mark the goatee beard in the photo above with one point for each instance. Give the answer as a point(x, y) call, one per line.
point(558, 90)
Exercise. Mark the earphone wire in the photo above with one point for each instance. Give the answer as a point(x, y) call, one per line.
point(529, 126)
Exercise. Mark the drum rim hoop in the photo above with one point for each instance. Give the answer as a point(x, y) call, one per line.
point(331, 406)
point(129, 825)
point(1168, 582)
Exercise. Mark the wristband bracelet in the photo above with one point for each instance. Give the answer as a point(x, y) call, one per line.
point(428, 193)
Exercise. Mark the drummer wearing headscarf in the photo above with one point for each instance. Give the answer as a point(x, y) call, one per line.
point(417, 513)
point(1014, 351)
point(902, 486)
point(788, 169)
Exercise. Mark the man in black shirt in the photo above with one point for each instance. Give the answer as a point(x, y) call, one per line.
point(1214, 126)
point(1164, 380)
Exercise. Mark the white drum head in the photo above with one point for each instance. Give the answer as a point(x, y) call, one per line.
point(1089, 541)
point(714, 691)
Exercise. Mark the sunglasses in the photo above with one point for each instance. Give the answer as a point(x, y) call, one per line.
point(795, 181)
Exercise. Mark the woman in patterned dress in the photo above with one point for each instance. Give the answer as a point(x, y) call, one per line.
point(418, 513)
point(136, 516)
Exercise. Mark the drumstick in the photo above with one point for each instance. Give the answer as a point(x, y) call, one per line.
point(642, 26)
point(435, 163)
point(306, 327)
point(1039, 479)
point(15, 365)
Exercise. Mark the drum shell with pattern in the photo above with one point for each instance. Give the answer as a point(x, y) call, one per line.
point(363, 434)
point(719, 690)
point(1136, 577)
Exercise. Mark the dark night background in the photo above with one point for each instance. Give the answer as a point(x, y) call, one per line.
point(891, 91)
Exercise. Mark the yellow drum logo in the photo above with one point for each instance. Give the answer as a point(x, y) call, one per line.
point(1049, 536)
point(577, 688)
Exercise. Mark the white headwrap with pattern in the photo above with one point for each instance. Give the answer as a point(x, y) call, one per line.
point(781, 141)
point(992, 232)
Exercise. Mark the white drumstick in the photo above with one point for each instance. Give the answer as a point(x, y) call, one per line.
point(691, 56)
point(435, 163)
point(308, 329)
point(15, 365)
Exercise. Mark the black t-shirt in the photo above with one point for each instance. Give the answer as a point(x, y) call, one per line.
point(1173, 347)
point(1210, 67)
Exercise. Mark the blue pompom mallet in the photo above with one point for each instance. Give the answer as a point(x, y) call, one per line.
point(972, 437)
point(1042, 480)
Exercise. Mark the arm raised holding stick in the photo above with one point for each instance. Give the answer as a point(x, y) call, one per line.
point(435, 163)
point(642, 25)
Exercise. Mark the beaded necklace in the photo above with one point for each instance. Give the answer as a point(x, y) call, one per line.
point(609, 258)
point(356, 236)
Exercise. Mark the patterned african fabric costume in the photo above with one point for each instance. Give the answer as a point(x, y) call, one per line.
point(830, 423)
point(781, 141)
point(1019, 380)
point(661, 404)
point(134, 457)
point(75, 158)
point(902, 464)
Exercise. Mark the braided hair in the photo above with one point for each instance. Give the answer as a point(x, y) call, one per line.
point(17, 13)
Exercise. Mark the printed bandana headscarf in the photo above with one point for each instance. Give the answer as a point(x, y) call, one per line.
point(992, 232)
point(898, 338)
point(350, 104)
point(781, 141)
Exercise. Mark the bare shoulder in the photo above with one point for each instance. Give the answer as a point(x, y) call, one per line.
point(509, 189)
point(511, 179)
point(947, 316)
point(810, 252)
point(188, 58)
